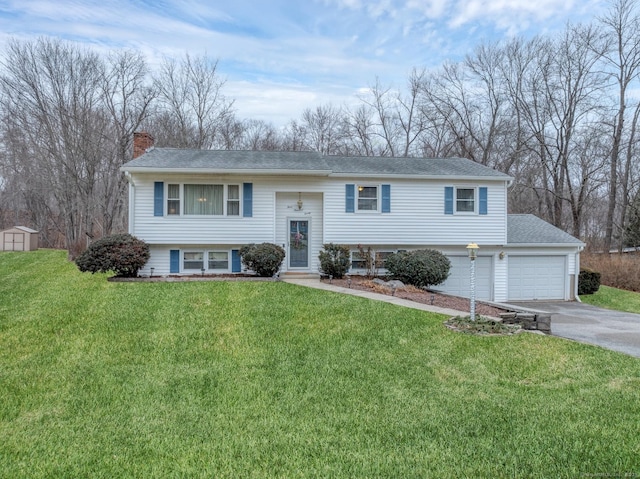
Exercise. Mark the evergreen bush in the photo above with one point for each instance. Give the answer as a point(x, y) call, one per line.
point(121, 253)
point(588, 281)
point(265, 259)
point(334, 260)
point(421, 268)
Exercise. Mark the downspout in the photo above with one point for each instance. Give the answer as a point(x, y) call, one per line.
point(577, 275)
point(132, 190)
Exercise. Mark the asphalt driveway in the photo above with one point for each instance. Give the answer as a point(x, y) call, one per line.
point(613, 330)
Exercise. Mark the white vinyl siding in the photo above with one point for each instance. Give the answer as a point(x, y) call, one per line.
point(416, 218)
point(215, 229)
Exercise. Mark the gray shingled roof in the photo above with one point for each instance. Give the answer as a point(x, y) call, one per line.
point(181, 159)
point(306, 163)
point(529, 229)
point(390, 166)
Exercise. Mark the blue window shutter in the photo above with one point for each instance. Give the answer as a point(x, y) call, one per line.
point(236, 265)
point(386, 198)
point(174, 261)
point(448, 200)
point(158, 198)
point(482, 207)
point(350, 198)
point(247, 200)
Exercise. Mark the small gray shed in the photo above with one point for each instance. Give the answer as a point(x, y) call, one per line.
point(19, 238)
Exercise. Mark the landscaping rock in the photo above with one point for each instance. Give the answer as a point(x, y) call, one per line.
point(529, 321)
point(393, 284)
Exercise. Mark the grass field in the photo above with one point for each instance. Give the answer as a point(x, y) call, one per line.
point(247, 379)
point(613, 298)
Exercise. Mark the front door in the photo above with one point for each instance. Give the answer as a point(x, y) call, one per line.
point(298, 243)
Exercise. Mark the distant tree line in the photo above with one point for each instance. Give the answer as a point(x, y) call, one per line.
point(558, 113)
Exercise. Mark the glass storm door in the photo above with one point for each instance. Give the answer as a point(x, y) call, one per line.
point(298, 243)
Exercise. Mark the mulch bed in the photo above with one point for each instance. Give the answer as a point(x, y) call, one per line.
point(420, 296)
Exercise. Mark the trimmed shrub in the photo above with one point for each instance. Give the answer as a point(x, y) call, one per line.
point(421, 268)
point(334, 260)
point(588, 281)
point(265, 259)
point(121, 253)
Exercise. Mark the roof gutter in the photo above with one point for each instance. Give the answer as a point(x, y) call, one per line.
point(580, 245)
point(235, 171)
point(509, 179)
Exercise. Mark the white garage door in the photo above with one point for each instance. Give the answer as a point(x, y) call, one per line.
point(536, 277)
point(459, 280)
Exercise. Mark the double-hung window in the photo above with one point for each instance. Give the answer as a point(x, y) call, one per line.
point(381, 258)
point(205, 260)
point(218, 260)
point(465, 200)
point(233, 200)
point(359, 260)
point(173, 199)
point(367, 198)
point(193, 260)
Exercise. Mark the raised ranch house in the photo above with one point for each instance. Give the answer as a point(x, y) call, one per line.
point(196, 208)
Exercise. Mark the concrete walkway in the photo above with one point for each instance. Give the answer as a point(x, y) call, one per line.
point(317, 284)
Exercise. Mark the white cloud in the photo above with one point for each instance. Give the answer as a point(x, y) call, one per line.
point(296, 54)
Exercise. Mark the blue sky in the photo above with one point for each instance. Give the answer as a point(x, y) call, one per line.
point(281, 56)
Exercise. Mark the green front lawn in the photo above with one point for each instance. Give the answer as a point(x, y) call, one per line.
point(613, 298)
point(247, 379)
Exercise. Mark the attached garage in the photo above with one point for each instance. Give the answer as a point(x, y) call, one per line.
point(537, 277)
point(19, 238)
point(459, 281)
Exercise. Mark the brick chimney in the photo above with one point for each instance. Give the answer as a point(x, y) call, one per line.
point(142, 141)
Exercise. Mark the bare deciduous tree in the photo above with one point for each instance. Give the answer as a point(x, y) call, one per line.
point(621, 31)
point(192, 103)
point(51, 98)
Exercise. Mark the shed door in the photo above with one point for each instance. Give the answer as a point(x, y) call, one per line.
point(459, 281)
point(536, 277)
point(14, 241)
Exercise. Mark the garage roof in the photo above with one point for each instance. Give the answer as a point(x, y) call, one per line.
point(529, 229)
